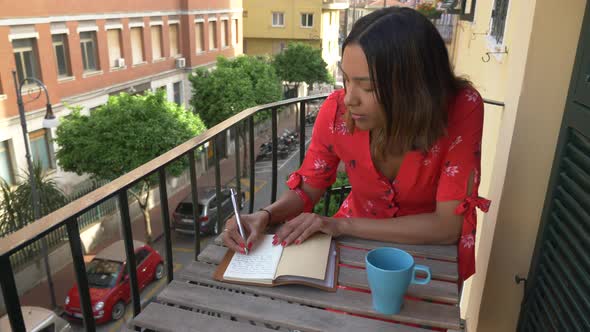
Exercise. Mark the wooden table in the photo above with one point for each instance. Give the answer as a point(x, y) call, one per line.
point(195, 302)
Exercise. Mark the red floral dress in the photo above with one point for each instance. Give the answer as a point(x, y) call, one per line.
point(423, 179)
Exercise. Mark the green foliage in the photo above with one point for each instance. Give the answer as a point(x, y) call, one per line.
point(16, 209)
point(301, 62)
point(341, 180)
point(123, 134)
point(233, 86)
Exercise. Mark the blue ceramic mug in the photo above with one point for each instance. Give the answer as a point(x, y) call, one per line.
point(389, 272)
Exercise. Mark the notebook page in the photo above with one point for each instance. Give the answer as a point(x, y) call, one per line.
point(260, 263)
point(308, 259)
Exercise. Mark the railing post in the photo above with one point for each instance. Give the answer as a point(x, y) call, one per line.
point(166, 223)
point(275, 144)
point(237, 158)
point(302, 132)
point(195, 200)
point(10, 293)
point(218, 197)
point(252, 162)
point(130, 250)
point(327, 197)
point(81, 277)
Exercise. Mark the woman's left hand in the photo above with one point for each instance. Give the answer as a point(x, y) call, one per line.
point(302, 227)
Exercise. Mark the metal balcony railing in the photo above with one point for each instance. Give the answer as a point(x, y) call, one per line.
point(69, 215)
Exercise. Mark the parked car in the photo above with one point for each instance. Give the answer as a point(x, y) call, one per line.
point(109, 282)
point(184, 221)
point(38, 319)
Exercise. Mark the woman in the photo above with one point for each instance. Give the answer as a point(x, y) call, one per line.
point(409, 134)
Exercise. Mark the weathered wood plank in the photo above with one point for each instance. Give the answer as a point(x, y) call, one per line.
point(446, 252)
point(417, 312)
point(440, 270)
point(165, 318)
point(267, 311)
point(435, 290)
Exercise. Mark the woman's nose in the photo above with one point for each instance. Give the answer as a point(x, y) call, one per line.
point(349, 98)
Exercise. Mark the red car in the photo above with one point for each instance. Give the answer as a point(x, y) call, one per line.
point(109, 283)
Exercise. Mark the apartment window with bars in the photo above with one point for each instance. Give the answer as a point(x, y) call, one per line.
point(234, 31)
point(213, 35)
point(6, 172)
point(25, 56)
point(498, 22)
point(114, 44)
point(156, 31)
point(278, 19)
point(40, 148)
point(62, 60)
point(176, 88)
point(199, 37)
point(173, 32)
point(137, 45)
point(89, 54)
point(224, 31)
point(307, 20)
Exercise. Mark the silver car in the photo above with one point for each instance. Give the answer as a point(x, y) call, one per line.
point(184, 222)
point(39, 319)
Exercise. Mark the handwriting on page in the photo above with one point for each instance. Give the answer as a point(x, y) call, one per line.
point(260, 263)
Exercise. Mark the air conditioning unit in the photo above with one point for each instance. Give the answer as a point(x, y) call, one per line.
point(120, 63)
point(180, 63)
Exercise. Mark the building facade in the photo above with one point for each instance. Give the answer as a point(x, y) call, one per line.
point(270, 25)
point(84, 54)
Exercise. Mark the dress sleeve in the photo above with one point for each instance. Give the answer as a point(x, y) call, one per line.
point(320, 163)
point(462, 160)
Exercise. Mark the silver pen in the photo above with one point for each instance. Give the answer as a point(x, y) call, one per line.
point(237, 213)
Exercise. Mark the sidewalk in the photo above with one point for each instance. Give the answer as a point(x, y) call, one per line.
point(64, 279)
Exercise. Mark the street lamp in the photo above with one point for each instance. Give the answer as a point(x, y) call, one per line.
point(48, 122)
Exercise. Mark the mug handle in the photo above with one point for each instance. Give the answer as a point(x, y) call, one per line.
point(424, 269)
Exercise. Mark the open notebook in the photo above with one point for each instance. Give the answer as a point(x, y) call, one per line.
point(313, 263)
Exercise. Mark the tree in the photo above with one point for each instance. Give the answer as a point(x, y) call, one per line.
point(301, 62)
point(233, 86)
point(124, 134)
point(16, 209)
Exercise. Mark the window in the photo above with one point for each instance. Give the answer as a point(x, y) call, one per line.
point(88, 45)
point(114, 45)
point(498, 22)
point(173, 32)
point(212, 35)
point(156, 41)
point(40, 149)
point(224, 31)
point(140, 256)
point(136, 45)
point(176, 87)
point(234, 31)
point(6, 163)
point(60, 48)
point(199, 37)
point(307, 20)
point(25, 56)
point(278, 19)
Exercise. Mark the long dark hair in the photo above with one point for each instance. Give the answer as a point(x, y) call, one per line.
point(410, 68)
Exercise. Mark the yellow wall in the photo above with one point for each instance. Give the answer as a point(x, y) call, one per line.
point(262, 38)
point(519, 143)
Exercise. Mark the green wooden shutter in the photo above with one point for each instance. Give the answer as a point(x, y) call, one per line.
point(557, 294)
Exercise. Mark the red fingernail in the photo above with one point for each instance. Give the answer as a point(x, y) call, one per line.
point(297, 241)
point(249, 245)
point(243, 251)
point(274, 242)
point(284, 243)
point(242, 246)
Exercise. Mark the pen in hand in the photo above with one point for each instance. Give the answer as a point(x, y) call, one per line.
point(237, 213)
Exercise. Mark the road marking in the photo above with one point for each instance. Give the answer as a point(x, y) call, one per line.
point(148, 295)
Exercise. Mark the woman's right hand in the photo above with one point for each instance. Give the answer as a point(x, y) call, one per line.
point(254, 225)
